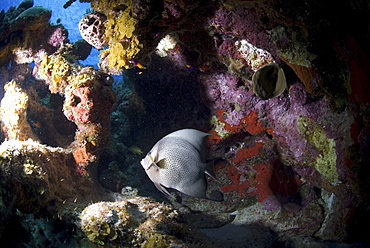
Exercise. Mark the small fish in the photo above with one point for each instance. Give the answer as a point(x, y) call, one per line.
point(140, 65)
point(189, 66)
point(136, 63)
point(177, 161)
point(205, 67)
point(37, 124)
point(135, 150)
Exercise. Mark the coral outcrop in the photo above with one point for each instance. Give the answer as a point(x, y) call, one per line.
point(88, 102)
point(44, 158)
point(26, 34)
point(115, 24)
point(92, 29)
point(13, 113)
point(34, 175)
point(138, 222)
point(291, 157)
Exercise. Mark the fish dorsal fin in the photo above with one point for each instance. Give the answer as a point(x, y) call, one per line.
point(192, 136)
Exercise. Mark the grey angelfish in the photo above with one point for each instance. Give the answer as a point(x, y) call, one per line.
point(178, 161)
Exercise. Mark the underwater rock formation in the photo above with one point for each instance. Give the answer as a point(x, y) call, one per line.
point(43, 151)
point(113, 24)
point(88, 102)
point(26, 34)
point(89, 106)
point(291, 154)
point(33, 175)
point(13, 113)
point(294, 163)
point(138, 222)
point(92, 29)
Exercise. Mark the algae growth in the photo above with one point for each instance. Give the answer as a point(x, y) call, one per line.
point(325, 162)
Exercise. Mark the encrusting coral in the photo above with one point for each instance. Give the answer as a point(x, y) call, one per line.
point(13, 113)
point(326, 161)
point(138, 222)
point(293, 163)
point(35, 175)
point(114, 25)
point(88, 102)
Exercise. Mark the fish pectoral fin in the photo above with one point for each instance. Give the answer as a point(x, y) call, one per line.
point(210, 171)
point(162, 163)
point(161, 188)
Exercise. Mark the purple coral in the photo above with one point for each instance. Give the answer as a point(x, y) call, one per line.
point(242, 23)
point(224, 86)
point(58, 37)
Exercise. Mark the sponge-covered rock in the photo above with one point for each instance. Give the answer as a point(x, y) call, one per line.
point(92, 29)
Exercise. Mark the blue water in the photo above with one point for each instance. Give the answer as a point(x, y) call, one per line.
point(69, 17)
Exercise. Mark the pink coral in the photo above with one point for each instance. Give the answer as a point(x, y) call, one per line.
point(58, 37)
point(82, 105)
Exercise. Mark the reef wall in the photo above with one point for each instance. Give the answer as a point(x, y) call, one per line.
point(291, 158)
point(54, 120)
